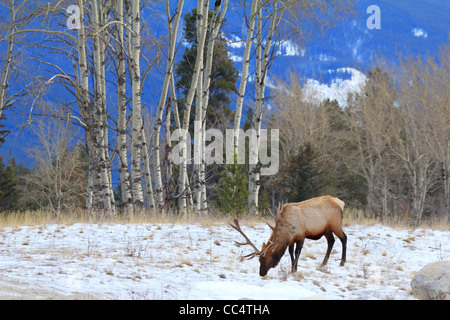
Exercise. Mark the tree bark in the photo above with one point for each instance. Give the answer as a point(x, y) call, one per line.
point(93, 193)
point(8, 58)
point(262, 68)
point(202, 24)
point(214, 29)
point(244, 73)
point(137, 124)
point(127, 201)
point(100, 114)
point(147, 173)
point(173, 30)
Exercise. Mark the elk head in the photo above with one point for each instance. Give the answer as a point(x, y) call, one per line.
point(267, 255)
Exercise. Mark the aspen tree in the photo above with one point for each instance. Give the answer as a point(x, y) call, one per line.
point(125, 186)
point(172, 24)
point(202, 25)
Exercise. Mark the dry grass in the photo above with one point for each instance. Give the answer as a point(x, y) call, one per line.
point(402, 220)
point(352, 216)
point(42, 217)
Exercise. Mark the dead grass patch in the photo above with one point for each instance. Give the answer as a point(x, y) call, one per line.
point(352, 216)
point(409, 239)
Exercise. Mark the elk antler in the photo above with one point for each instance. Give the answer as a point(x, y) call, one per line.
point(276, 218)
point(238, 228)
point(271, 244)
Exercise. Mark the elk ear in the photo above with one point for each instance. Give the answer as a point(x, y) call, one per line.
point(264, 245)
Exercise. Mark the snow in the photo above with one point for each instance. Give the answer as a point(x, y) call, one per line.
point(194, 261)
point(338, 90)
point(418, 32)
point(290, 49)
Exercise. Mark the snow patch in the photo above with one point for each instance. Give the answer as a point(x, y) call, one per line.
point(324, 57)
point(290, 49)
point(338, 89)
point(419, 33)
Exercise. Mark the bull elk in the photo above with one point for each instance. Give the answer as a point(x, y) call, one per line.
point(295, 222)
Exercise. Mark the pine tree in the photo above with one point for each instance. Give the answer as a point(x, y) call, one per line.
point(223, 75)
point(264, 201)
point(233, 189)
point(11, 183)
point(303, 175)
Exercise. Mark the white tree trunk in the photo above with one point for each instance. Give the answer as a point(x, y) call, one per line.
point(214, 29)
point(253, 174)
point(105, 140)
point(178, 126)
point(93, 195)
point(127, 201)
point(198, 137)
point(262, 68)
point(244, 73)
point(100, 117)
point(8, 58)
point(147, 173)
point(173, 30)
point(137, 130)
point(202, 24)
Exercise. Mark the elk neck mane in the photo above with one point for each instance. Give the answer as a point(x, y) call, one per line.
point(281, 245)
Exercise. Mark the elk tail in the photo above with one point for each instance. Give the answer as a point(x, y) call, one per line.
point(340, 203)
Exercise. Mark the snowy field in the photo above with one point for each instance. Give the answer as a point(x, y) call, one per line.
point(186, 261)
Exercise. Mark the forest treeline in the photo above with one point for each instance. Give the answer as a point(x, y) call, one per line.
point(104, 146)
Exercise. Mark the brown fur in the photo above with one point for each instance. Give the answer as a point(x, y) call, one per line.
point(310, 219)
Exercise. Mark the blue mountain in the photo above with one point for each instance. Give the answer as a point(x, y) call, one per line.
point(408, 28)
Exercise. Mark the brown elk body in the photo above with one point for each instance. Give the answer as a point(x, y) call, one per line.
point(295, 222)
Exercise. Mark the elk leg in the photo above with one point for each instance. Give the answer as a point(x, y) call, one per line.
point(343, 238)
point(330, 239)
point(298, 250)
point(291, 253)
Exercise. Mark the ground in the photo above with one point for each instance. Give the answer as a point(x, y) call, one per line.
point(198, 261)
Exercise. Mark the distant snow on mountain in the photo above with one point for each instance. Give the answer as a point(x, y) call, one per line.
point(333, 62)
point(289, 49)
point(338, 89)
point(419, 33)
point(324, 57)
